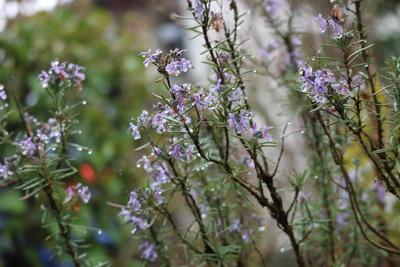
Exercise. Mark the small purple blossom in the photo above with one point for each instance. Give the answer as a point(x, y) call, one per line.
point(146, 163)
point(3, 95)
point(77, 190)
point(149, 252)
point(158, 195)
point(160, 173)
point(178, 64)
point(44, 78)
point(134, 201)
point(59, 69)
point(159, 120)
point(223, 57)
point(197, 101)
point(143, 118)
point(199, 9)
point(173, 68)
point(135, 130)
point(216, 87)
point(27, 147)
point(318, 82)
point(49, 130)
point(5, 171)
point(139, 222)
point(246, 236)
point(176, 152)
point(239, 121)
point(324, 23)
point(151, 57)
point(189, 153)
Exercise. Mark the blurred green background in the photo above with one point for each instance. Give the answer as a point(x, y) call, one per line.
point(106, 40)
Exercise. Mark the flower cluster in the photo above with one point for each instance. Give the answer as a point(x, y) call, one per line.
point(261, 133)
point(62, 73)
point(322, 83)
point(42, 139)
point(167, 115)
point(240, 121)
point(316, 83)
point(74, 191)
point(199, 9)
point(149, 252)
point(156, 168)
point(171, 64)
point(5, 169)
point(237, 226)
point(134, 213)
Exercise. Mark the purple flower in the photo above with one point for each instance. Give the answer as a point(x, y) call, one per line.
point(189, 153)
point(217, 86)
point(59, 69)
point(246, 236)
point(185, 64)
point(160, 174)
point(143, 118)
point(173, 68)
point(337, 29)
point(77, 190)
point(146, 165)
point(76, 77)
point(149, 252)
point(176, 152)
point(77, 74)
point(198, 102)
point(158, 195)
point(84, 193)
point(258, 134)
point(135, 130)
point(178, 66)
point(148, 60)
point(235, 95)
point(5, 171)
point(224, 57)
point(3, 95)
point(239, 121)
point(323, 24)
point(44, 78)
point(199, 9)
point(28, 147)
point(159, 120)
point(139, 222)
point(134, 202)
point(318, 82)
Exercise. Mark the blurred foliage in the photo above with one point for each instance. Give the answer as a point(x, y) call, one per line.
point(115, 87)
